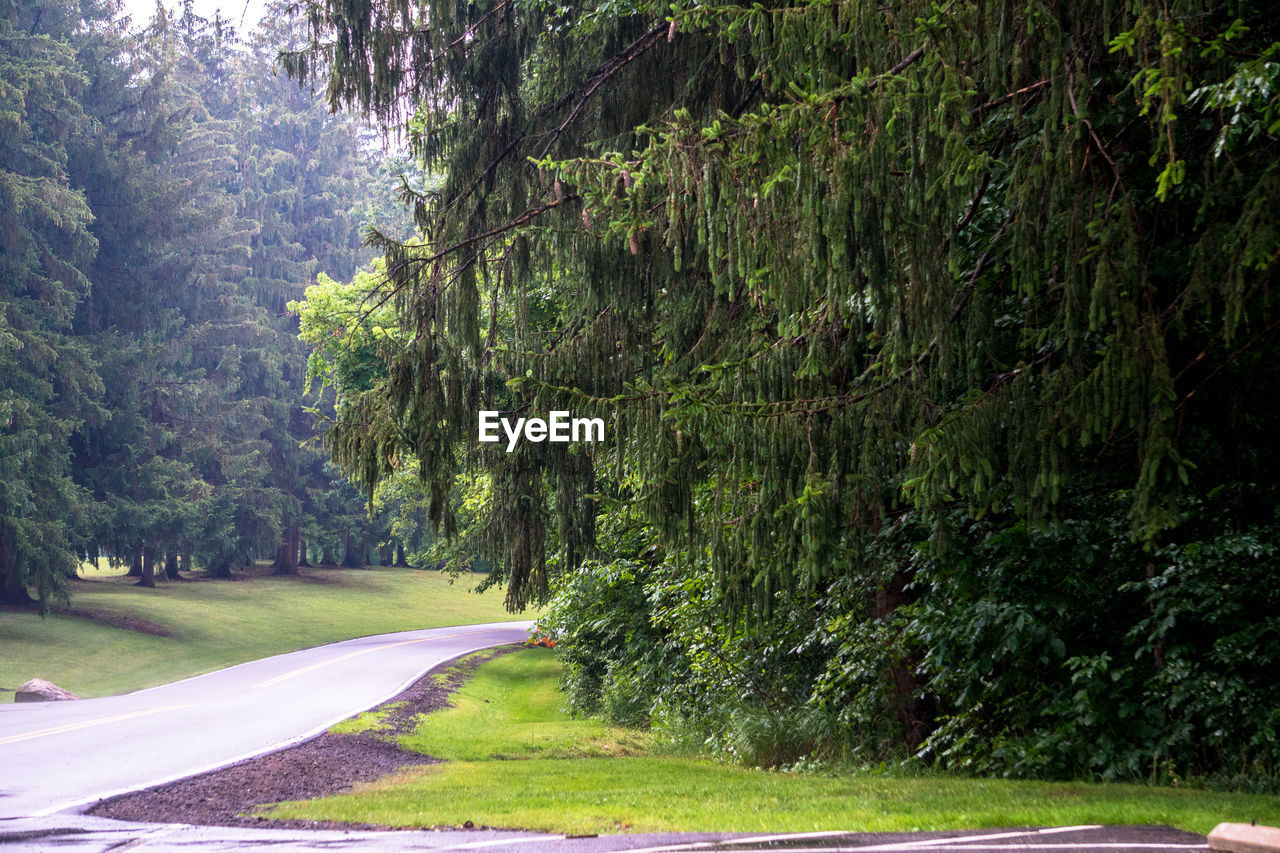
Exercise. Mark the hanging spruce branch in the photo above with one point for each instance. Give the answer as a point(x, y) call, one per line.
point(817, 263)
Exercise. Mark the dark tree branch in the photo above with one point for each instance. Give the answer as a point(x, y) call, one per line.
point(632, 52)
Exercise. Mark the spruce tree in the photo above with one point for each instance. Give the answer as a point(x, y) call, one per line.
point(842, 277)
point(48, 380)
point(304, 176)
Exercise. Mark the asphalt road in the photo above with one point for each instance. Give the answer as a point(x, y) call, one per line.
point(59, 755)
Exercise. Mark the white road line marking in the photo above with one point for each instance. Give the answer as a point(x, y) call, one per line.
point(217, 672)
point(71, 727)
point(1061, 845)
point(272, 682)
point(959, 843)
point(144, 840)
point(785, 836)
point(967, 839)
point(691, 845)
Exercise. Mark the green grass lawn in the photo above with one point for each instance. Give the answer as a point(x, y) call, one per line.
point(515, 759)
point(220, 623)
point(518, 703)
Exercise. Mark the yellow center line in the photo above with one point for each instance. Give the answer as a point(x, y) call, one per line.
point(271, 682)
point(71, 727)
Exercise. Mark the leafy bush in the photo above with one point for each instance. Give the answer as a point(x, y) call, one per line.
point(1036, 651)
point(614, 655)
point(1070, 652)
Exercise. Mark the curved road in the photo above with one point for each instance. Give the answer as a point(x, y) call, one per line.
point(56, 756)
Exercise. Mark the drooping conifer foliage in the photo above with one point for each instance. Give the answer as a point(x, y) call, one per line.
point(935, 344)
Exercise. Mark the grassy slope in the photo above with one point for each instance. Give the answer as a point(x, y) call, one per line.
point(220, 623)
point(560, 782)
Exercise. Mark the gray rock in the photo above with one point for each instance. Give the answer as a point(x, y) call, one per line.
point(39, 690)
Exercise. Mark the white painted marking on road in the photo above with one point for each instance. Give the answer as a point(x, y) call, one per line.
point(272, 682)
point(786, 836)
point(958, 843)
point(254, 663)
point(1008, 848)
point(967, 839)
point(663, 848)
point(144, 840)
point(87, 724)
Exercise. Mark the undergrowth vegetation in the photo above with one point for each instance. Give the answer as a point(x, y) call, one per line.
point(1033, 650)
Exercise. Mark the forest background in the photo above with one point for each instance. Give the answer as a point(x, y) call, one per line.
point(165, 191)
point(935, 343)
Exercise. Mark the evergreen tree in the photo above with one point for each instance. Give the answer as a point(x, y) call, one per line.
point(847, 278)
point(154, 226)
point(49, 381)
point(303, 175)
point(174, 338)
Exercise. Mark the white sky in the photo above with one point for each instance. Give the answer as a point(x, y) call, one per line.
point(245, 14)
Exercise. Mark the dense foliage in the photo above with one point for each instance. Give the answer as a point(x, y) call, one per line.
point(46, 248)
point(163, 194)
point(934, 342)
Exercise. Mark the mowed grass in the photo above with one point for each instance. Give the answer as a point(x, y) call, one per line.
point(220, 623)
point(518, 704)
point(516, 760)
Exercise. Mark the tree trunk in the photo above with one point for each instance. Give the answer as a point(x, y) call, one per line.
point(188, 563)
point(400, 560)
point(148, 568)
point(171, 566)
point(349, 557)
point(135, 568)
point(913, 712)
point(287, 561)
point(14, 590)
point(90, 555)
point(302, 554)
point(326, 555)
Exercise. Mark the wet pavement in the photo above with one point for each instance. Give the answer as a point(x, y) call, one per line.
point(98, 835)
